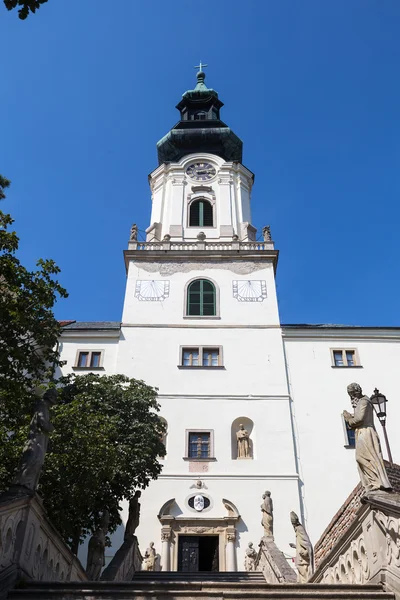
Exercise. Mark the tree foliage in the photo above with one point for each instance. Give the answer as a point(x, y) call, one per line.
point(26, 6)
point(28, 329)
point(106, 440)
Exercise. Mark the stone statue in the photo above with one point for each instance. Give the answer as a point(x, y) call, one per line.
point(243, 443)
point(96, 549)
point(368, 450)
point(149, 558)
point(134, 233)
point(133, 517)
point(266, 231)
point(35, 448)
point(304, 550)
point(267, 510)
point(250, 558)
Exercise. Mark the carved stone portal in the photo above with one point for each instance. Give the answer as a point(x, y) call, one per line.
point(223, 527)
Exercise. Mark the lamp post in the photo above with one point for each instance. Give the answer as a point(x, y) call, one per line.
point(378, 401)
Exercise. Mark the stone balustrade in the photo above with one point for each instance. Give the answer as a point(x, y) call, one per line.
point(200, 245)
point(31, 547)
point(273, 564)
point(368, 551)
point(126, 562)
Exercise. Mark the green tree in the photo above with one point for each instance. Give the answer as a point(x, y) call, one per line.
point(28, 338)
point(29, 331)
point(106, 440)
point(27, 6)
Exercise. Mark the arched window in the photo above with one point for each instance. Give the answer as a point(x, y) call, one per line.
point(201, 214)
point(201, 298)
point(199, 116)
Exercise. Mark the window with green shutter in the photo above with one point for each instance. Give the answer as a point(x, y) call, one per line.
point(201, 214)
point(201, 299)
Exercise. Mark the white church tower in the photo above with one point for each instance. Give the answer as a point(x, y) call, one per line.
point(201, 323)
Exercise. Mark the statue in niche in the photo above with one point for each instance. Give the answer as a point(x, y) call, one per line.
point(250, 558)
point(133, 516)
point(304, 550)
point(368, 449)
point(35, 448)
point(149, 558)
point(134, 233)
point(243, 442)
point(96, 549)
point(267, 510)
point(266, 231)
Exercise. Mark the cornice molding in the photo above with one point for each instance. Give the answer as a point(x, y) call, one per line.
point(327, 334)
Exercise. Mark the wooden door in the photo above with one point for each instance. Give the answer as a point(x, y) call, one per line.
point(188, 553)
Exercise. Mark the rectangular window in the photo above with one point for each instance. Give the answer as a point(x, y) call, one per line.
point(344, 358)
point(89, 359)
point(83, 359)
point(95, 359)
point(190, 357)
point(199, 444)
point(201, 357)
point(210, 357)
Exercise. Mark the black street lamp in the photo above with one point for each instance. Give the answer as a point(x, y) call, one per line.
point(378, 401)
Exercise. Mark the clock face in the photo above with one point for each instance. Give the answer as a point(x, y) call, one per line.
point(201, 171)
point(151, 290)
point(250, 290)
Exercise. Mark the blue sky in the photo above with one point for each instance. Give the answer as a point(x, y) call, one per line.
point(311, 87)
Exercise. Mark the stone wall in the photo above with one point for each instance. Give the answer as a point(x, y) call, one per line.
point(31, 547)
point(362, 542)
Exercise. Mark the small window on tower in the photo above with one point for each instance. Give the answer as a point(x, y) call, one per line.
point(190, 357)
point(210, 357)
point(201, 299)
point(201, 214)
point(200, 116)
point(200, 357)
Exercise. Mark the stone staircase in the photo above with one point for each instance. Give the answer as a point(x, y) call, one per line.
point(195, 586)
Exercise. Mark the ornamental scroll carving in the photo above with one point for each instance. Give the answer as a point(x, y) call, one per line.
point(170, 268)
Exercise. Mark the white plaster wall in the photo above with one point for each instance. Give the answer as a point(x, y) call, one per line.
point(81, 342)
point(253, 360)
point(271, 435)
point(319, 397)
point(172, 309)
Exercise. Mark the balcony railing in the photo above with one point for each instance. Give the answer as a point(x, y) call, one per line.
point(195, 246)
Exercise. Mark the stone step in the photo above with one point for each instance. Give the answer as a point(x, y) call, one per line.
point(201, 590)
point(199, 575)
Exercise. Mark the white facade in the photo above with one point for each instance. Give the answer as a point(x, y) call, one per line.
point(318, 389)
point(278, 381)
